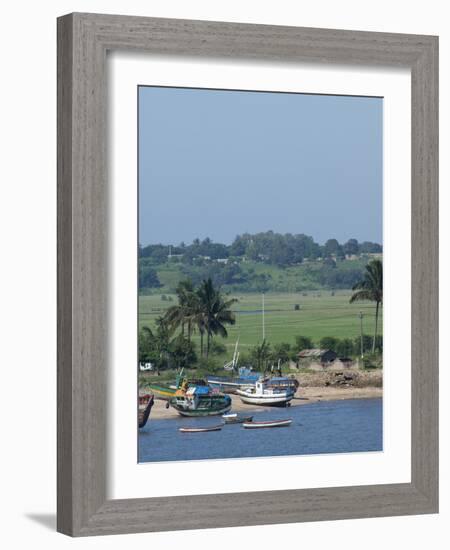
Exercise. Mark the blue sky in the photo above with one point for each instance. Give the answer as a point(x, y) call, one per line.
point(216, 163)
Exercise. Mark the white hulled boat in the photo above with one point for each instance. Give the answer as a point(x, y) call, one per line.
point(264, 394)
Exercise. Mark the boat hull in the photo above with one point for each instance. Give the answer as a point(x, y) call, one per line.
point(269, 401)
point(200, 412)
point(145, 409)
point(236, 419)
point(268, 424)
point(162, 392)
point(204, 405)
point(267, 398)
point(200, 430)
point(233, 385)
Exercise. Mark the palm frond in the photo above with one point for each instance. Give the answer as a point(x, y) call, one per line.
point(362, 295)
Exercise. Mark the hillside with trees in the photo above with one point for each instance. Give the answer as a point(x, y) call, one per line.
point(257, 263)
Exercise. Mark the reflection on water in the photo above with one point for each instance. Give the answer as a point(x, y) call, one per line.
point(352, 425)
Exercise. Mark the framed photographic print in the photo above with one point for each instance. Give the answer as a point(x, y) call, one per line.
point(246, 333)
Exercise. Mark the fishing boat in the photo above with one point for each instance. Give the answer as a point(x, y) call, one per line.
point(232, 365)
point(234, 418)
point(283, 382)
point(268, 424)
point(161, 391)
point(200, 401)
point(197, 430)
point(165, 392)
point(145, 406)
point(264, 394)
point(231, 384)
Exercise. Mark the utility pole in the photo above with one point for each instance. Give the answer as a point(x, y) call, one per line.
point(361, 331)
point(263, 320)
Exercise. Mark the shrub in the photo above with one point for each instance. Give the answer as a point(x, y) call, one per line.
point(282, 352)
point(345, 347)
point(372, 361)
point(183, 352)
point(303, 342)
point(209, 365)
point(367, 344)
point(217, 348)
point(329, 342)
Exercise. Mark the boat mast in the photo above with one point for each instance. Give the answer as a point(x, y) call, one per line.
point(263, 320)
point(235, 354)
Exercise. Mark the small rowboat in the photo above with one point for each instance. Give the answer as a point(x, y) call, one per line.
point(196, 430)
point(235, 418)
point(268, 424)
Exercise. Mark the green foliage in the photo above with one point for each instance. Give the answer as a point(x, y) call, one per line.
point(303, 342)
point(379, 343)
point(367, 344)
point(154, 252)
point(182, 351)
point(148, 277)
point(204, 309)
point(245, 358)
point(206, 249)
point(162, 350)
point(226, 265)
point(372, 361)
point(281, 352)
point(214, 312)
point(259, 276)
point(154, 346)
point(368, 247)
point(351, 247)
point(333, 276)
point(260, 356)
point(331, 248)
point(146, 346)
point(217, 348)
point(207, 365)
point(345, 348)
point(329, 342)
point(370, 288)
point(319, 316)
point(219, 273)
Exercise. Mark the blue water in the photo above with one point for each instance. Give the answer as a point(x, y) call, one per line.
point(353, 425)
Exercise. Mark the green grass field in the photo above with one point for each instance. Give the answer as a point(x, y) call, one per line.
point(321, 314)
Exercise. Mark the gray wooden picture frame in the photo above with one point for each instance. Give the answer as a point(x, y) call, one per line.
point(83, 41)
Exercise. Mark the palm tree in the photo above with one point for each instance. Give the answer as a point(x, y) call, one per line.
point(370, 288)
point(213, 313)
point(181, 314)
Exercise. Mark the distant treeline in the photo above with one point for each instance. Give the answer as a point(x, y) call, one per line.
point(277, 249)
point(240, 266)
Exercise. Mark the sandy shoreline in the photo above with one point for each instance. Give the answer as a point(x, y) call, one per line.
point(304, 396)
